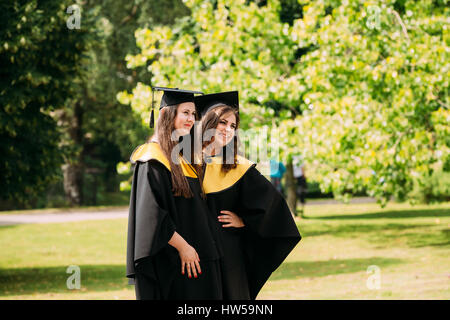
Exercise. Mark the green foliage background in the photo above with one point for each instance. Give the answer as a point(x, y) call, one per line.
point(358, 88)
point(39, 58)
point(58, 96)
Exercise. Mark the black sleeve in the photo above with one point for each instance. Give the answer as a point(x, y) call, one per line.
point(272, 232)
point(150, 226)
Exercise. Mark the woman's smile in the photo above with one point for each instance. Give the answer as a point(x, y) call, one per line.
point(226, 129)
point(185, 116)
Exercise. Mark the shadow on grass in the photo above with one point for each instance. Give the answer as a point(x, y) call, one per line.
point(434, 238)
point(311, 269)
point(8, 226)
point(22, 281)
point(384, 235)
point(393, 214)
point(350, 230)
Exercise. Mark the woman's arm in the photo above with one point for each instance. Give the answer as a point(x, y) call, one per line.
point(188, 255)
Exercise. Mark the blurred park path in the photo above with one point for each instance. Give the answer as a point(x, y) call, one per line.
point(333, 201)
point(70, 215)
point(63, 216)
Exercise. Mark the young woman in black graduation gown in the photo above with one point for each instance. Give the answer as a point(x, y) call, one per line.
point(255, 226)
point(171, 245)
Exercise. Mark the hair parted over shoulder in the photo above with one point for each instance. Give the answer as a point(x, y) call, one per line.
point(210, 121)
point(164, 128)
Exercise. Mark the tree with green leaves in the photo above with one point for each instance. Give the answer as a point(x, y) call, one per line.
point(63, 66)
point(99, 132)
point(359, 89)
point(378, 96)
point(40, 59)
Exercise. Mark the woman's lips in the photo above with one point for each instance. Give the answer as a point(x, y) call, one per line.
point(224, 135)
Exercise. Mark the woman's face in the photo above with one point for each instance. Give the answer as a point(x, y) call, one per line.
point(185, 117)
point(225, 129)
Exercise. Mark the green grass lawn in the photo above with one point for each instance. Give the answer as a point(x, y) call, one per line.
point(65, 210)
point(409, 245)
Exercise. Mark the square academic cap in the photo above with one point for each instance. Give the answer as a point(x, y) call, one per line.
point(204, 102)
point(171, 97)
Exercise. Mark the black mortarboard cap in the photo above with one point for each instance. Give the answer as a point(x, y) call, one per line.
point(171, 97)
point(204, 102)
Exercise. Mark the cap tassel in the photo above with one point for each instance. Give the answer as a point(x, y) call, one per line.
point(152, 116)
point(152, 119)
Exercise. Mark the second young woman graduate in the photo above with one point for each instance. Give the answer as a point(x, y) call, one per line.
point(256, 228)
point(171, 247)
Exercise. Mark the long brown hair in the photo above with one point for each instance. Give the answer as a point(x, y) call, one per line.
point(211, 121)
point(165, 127)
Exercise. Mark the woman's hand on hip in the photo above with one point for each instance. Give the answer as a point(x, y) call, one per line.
point(230, 219)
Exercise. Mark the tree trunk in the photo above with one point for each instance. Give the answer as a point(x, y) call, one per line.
point(73, 183)
point(110, 177)
point(73, 170)
point(290, 188)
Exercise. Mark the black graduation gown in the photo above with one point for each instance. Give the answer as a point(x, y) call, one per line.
point(252, 253)
point(154, 215)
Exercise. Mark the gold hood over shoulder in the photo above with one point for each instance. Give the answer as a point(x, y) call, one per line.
point(152, 151)
point(216, 180)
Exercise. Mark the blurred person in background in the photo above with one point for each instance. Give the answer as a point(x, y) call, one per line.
point(300, 177)
point(277, 170)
